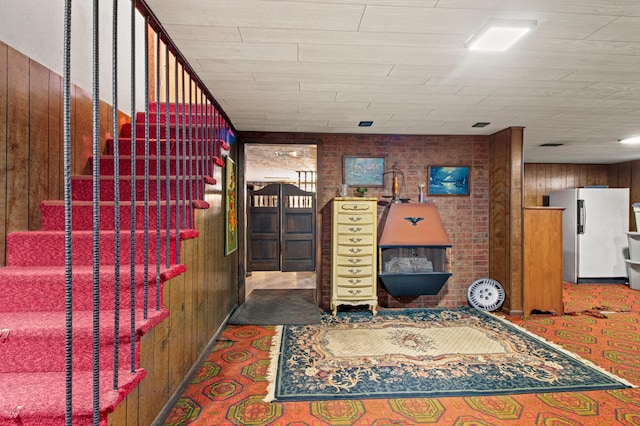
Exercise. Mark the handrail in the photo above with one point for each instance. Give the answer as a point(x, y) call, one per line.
point(154, 22)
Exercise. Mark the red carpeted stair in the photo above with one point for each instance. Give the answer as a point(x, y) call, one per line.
point(32, 285)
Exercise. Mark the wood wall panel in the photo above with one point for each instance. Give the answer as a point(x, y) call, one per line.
point(31, 139)
point(498, 210)
point(4, 143)
point(540, 179)
point(505, 214)
point(83, 133)
point(38, 140)
point(55, 138)
point(18, 142)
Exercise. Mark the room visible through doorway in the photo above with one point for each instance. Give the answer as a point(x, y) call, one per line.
point(267, 164)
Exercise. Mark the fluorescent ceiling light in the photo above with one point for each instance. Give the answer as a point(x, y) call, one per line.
point(499, 34)
point(631, 140)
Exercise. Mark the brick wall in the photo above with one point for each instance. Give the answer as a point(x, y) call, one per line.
point(466, 218)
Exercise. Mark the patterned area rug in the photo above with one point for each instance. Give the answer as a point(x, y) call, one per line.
point(421, 353)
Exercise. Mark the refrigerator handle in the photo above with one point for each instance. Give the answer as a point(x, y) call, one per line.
point(582, 217)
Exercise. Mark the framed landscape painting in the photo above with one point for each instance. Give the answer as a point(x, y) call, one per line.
point(363, 171)
point(448, 180)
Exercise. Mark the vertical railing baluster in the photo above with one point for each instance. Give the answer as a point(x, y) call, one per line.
point(116, 196)
point(96, 212)
point(132, 233)
point(68, 252)
point(177, 173)
point(145, 295)
point(158, 181)
point(183, 225)
point(188, 178)
point(167, 153)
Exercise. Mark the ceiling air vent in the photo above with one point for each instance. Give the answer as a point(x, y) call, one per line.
point(365, 124)
point(481, 124)
point(552, 144)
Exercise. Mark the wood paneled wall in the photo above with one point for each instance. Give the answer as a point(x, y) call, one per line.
point(31, 139)
point(505, 215)
point(540, 179)
point(199, 302)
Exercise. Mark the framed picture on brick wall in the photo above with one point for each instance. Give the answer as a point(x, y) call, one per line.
point(448, 180)
point(363, 171)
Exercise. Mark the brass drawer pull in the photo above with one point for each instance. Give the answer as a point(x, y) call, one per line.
point(354, 261)
point(355, 219)
point(354, 271)
point(355, 250)
point(354, 281)
point(355, 240)
point(355, 292)
point(352, 229)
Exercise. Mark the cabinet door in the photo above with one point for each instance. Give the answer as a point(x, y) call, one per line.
point(543, 260)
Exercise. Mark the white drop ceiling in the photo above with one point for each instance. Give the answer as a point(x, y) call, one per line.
point(325, 65)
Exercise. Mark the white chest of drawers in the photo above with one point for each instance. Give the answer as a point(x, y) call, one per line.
point(353, 255)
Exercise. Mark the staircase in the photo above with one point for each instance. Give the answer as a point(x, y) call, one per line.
point(32, 285)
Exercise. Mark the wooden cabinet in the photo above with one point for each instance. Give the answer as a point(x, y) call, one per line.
point(542, 260)
point(353, 254)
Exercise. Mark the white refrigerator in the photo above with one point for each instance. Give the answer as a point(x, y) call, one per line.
point(595, 223)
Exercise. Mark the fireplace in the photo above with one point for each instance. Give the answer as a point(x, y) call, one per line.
point(413, 250)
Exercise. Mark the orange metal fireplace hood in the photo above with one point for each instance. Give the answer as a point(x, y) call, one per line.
point(413, 249)
point(413, 225)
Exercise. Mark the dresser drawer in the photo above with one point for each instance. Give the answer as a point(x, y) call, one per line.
point(355, 271)
point(354, 260)
point(345, 229)
point(359, 207)
point(354, 292)
point(355, 281)
point(355, 250)
point(355, 218)
point(355, 240)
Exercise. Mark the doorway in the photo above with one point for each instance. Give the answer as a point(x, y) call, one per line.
point(283, 168)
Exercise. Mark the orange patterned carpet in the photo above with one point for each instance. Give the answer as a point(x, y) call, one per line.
point(602, 325)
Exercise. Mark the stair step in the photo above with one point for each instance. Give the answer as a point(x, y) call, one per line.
point(47, 248)
point(35, 341)
point(124, 162)
point(82, 187)
point(179, 107)
point(40, 288)
point(201, 116)
point(53, 218)
point(39, 398)
point(194, 130)
point(209, 147)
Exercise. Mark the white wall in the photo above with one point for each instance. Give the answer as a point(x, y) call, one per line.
point(36, 29)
